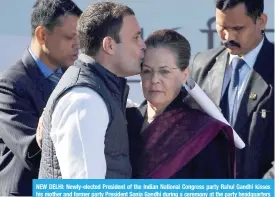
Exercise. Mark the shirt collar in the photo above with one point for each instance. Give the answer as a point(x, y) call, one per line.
point(250, 58)
point(47, 72)
point(85, 58)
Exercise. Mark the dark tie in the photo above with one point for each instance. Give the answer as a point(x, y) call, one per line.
point(236, 64)
point(55, 77)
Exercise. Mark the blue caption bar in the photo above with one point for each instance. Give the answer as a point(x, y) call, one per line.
point(153, 188)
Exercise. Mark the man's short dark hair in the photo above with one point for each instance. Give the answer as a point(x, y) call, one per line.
point(254, 8)
point(48, 12)
point(98, 21)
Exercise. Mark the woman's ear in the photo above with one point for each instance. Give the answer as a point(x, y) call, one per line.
point(185, 74)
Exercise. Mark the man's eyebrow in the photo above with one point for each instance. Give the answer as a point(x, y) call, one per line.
point(236, 26)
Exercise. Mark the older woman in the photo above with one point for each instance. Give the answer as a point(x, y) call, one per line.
point(167, 138)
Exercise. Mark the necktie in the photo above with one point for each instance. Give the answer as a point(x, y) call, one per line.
point(55, 77)
point(236, 64)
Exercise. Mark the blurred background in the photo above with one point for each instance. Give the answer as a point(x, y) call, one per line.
point(194, 19)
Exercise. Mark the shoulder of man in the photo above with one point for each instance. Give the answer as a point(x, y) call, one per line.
point(202, 59)
point(15, 75)
point(207, 55)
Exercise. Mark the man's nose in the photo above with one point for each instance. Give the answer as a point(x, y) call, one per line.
point(229, 35)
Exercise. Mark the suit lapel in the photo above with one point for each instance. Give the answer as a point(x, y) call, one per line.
point(258, 84)
point(215, 78)
point(44, 86)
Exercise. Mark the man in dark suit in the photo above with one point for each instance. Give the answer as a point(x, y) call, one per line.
point(25, 88)
point(239, 78)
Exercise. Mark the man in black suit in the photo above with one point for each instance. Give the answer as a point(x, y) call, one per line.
point(25, 88)
point(239, 78)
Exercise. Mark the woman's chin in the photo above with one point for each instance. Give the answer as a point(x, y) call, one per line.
point(156, 103)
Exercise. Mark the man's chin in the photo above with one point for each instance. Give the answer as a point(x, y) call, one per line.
point(133, 74)
point(130, 73)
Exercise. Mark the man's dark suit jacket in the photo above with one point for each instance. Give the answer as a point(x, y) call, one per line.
point(24, 92)
point(256, 130)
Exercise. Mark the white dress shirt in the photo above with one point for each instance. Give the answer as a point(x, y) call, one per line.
point(244, 71)
point(79, 124)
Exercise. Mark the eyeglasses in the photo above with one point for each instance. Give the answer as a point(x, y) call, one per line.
point(163, 72)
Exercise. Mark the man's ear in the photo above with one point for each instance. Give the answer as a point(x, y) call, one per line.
point(262, 21)
point(109, 45)
point(40, 34)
